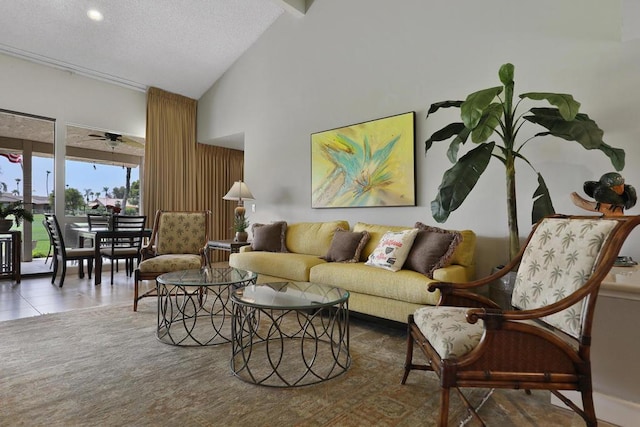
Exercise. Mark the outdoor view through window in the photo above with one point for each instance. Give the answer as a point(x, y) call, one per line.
point(89, 187)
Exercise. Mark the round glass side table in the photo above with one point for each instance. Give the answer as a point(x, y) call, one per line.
point(193, 305)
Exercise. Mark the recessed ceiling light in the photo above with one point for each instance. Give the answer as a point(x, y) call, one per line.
point(95, 15)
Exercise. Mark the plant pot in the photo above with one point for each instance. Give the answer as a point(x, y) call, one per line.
point(5, 225)
point(241, 236)
point(500, 290)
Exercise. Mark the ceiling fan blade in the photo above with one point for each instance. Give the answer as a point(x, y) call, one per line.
point(93, 135)
point(131, 142)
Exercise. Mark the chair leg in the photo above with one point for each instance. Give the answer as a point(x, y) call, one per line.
point(135, 293)
point(54, 262)
point(409, 357)
point(81, 268)
point(64, 272)
point(112, 270)
point(444, 407)
point(589, 410)
point(89, 266)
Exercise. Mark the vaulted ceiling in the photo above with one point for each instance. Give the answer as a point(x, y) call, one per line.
point(181, 46)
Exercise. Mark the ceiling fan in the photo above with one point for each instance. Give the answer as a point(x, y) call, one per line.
point(115, 139)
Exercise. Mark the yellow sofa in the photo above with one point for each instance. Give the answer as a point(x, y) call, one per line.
point(373, 291)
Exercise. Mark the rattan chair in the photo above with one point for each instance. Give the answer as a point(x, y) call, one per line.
point(544, 342)
point(62, 254)
point(127, 248)
point(178, 242)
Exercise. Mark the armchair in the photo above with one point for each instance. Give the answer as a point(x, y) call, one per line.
point(178, 241)
point(544, 342)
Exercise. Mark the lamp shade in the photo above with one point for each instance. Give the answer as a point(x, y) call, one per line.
point(239, 191)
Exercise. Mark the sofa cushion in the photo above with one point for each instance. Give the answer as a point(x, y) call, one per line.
point(294, 267)
point(404, 285)
point(269, 237)
point(432, 249)
point(346, 246)
point(392, 250)
point(465, 252)
point(375, 234)
point(312, 238)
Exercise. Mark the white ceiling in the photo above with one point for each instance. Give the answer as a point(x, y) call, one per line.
point(181, 46)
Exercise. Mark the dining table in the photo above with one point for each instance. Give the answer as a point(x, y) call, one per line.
point(99, 235)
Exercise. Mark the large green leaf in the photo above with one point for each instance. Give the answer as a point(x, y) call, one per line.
point(542, 205)
point(445, 133)
point(505, 73)
point(458, 181)
point(488, 122)
point(568, 106)
point(473, 107)
point(444, 104)
point(617, 155)
point(581, 129)
point(452, 152)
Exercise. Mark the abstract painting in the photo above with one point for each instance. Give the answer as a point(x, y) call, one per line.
point(365, 164)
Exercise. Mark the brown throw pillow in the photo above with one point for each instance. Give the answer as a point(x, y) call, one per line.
point(432, 249)
point(346, 246)
point(269, 237)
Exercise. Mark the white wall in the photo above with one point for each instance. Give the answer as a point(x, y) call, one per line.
point(349, 61)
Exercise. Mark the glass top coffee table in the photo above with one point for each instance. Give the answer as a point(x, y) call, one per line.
point(289, 334)
point(193, 304)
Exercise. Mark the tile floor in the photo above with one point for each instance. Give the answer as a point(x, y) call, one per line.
point(35, 295)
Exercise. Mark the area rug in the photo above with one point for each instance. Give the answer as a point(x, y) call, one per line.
point(104, 367)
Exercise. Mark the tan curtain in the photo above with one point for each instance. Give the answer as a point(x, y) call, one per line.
point(169, 152)
point(179, 173)
point(218, 168)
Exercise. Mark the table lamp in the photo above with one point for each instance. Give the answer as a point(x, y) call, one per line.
point(239, 192)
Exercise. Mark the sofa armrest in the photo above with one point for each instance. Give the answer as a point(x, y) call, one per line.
point(453, 273)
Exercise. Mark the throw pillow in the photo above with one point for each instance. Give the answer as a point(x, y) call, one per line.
point(269, 237)
point(346, 246)
point(433, 248)
point(393, 249)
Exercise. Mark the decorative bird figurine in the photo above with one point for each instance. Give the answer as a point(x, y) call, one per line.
point(611, 190)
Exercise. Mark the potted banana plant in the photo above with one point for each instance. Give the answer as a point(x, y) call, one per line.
point(491, 121)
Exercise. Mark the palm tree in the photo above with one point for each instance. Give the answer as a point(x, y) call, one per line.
point(127, 188)
point(48, 173)
point(106, 191)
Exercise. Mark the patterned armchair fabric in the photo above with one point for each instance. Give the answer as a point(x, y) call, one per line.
point(558, 260)
point(545, 342)
point(178, 242)
point(181, 233)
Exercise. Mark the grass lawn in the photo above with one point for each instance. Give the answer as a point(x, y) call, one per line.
point(40, 234)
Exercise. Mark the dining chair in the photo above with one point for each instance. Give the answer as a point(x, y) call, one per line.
point(178, 241)
point(128, 247)
point(545, 341)
point(62, 254)
point(46, 260)
point(98, 220)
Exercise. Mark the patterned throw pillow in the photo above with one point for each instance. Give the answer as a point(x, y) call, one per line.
point(346, 246)
point(269, 237)
point(393, 249)
point(433, 248)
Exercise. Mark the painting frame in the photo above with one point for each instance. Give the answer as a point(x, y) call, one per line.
point(367, 164)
